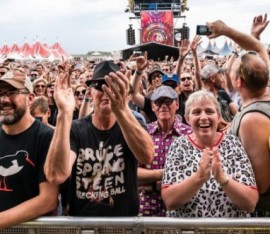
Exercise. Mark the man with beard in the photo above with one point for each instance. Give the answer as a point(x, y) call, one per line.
point(24, 192)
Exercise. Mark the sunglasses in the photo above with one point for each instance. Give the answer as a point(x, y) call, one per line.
point(40, 86)
point(77, 93)
point(165, 70)
point(33, 75)
point(185, 78)
point(98, 85)
point(50, 86)
point(161, 101)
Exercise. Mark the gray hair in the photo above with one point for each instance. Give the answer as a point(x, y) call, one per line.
point(199, 96)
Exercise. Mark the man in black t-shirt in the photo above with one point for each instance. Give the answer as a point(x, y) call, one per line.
point(24, 192)
point(100, 156)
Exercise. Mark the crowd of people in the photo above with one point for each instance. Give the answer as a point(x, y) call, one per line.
point(185, 138)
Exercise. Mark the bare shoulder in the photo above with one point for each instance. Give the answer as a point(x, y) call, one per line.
point(254, 124)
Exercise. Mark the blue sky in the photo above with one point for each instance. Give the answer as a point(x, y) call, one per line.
point(100, 25)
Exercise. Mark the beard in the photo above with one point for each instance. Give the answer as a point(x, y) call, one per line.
point(13, 118)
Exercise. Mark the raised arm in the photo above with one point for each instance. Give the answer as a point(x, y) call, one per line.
point(244, 40)
point(60, 158)
point(183, 52)
point(138, 140)
point(136, 81)
point(193, 46)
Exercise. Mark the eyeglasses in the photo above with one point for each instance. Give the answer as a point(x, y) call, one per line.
point(165, 70)
point(161, 101)
point(77, 93)
point(40, 86)
point(242, 58)
point(185, 78)
point(11, 93)
point(98, 85)
point(33, 75)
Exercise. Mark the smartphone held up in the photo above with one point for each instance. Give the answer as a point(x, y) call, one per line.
point(203, 30)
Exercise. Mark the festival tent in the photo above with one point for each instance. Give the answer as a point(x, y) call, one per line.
point(36, 51)
point(58, 48)
point(225, 50)
point(5, 50)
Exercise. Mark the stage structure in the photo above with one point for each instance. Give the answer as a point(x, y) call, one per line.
point(157, 21)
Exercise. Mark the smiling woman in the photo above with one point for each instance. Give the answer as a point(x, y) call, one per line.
point(202, 165)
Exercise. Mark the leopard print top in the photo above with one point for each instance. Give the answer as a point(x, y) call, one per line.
point(210, 201)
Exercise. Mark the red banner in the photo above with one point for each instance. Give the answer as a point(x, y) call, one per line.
point(157, 26)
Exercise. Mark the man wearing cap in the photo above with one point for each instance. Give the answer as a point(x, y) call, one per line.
point(101, 152)
point(250, 76)
point(168, 126)
point(24, 192)
point(154, 78)
point(144, 103)
point(213, 79)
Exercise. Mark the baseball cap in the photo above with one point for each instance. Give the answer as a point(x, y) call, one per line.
point(164, 91)
point(173, 78)
point(208, 71)
point(18, 80)
point(152, 72)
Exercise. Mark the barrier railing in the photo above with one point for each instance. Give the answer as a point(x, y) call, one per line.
point(141, 225)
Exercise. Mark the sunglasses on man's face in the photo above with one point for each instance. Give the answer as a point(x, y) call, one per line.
point(185, 78)
point(77, 93)
point(98, 85)
point(161, 101)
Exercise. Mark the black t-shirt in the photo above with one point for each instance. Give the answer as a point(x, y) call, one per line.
point(22, 158)
point(104, 176)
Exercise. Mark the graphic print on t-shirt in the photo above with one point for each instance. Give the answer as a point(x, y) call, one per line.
point(100, 173)
point(11, 165)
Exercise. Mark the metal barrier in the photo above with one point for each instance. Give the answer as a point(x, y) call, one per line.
point(141, 225)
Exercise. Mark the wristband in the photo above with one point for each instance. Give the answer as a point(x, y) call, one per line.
point(225, 182)
point(138, 72)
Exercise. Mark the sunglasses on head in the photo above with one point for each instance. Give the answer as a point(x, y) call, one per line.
point(77, 93)
point(185, 78)
point(161, 101)
point(98, 85)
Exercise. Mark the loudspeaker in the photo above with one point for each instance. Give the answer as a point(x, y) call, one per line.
point(131, 36)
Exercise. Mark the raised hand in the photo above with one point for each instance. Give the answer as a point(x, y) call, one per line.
point(217, 28)
point(195, 42)
point(117, 90)
point(63, 93)
point(258, 25)
point(183, 48)
point(142, 62)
